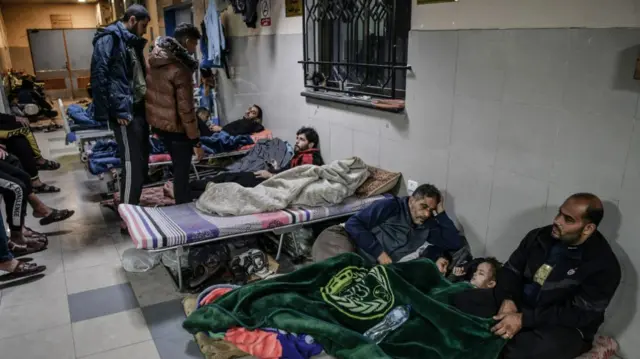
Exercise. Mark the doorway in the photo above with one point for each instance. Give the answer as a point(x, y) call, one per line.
point(62, 60)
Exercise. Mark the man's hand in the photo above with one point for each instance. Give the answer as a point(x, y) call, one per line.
point(459, 271)
point(123, 122)
point(508, 306)
point(442, 264)
point(263, 174)
point(440, 206)
point(384, 258)
point(215, 128)
point(3, 154)
point(509, 325)
point(199, 152)
point(23, 121)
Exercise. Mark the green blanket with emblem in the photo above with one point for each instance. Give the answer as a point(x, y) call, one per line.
point(337, 300)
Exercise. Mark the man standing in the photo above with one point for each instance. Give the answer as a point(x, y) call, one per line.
point(394, 230)
point(170, 104)
point(118, 89)
point(551, 295)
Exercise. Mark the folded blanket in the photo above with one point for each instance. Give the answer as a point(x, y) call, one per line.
point(306, 185)
point(337, 300)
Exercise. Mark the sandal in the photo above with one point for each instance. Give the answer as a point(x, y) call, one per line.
point(48, 165)
point(56, 215)
point(23, 270)
point(40, 237)
point(45, 188)
point(20, 250)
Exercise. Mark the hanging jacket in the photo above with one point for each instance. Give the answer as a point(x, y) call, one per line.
point(112, 72)
point(214, 35)
point(248, 9)
point(169, 99)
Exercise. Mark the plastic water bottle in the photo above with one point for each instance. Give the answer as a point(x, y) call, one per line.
point(392, 321)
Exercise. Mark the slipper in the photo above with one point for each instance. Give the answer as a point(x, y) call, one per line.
point(40, 237)
point(56, 215)
point(45, 188)
point(19, 250)
point(25, 259)
point(23, 270)
point(48, 165)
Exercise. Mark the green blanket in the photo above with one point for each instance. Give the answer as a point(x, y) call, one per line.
point(338, 299)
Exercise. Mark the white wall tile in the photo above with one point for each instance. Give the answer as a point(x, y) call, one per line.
point(525, 139)
point(517, 206)
point(341, 142)
point(367, 147)
point(469, 196)
point(631, 179)
point(475, 129)
point(592, 149)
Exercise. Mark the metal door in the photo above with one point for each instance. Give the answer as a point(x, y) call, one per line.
point(62, 60)
point(50, 61)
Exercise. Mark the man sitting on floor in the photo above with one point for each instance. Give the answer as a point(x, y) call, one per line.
point(552, 294)
point(394, 230)
point(306, 153)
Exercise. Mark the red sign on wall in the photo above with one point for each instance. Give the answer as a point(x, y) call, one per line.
point(265, 10)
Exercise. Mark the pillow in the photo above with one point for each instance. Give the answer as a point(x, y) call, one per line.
point(379, 182)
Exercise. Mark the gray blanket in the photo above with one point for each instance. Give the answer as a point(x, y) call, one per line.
point(263, 153)
point(306, 185)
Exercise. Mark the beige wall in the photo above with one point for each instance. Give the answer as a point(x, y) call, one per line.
point(19, 18)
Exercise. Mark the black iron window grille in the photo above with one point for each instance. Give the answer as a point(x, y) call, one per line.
point(356, 48)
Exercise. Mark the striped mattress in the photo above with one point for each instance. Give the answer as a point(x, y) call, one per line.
point(162, 227)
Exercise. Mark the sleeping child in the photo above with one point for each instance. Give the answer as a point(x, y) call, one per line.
point(480, 272)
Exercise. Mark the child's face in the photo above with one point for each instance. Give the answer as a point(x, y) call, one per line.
point(203, 115)
point(483, 276)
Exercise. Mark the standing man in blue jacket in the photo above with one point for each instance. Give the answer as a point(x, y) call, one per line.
point(118, 87)
point(394, 230)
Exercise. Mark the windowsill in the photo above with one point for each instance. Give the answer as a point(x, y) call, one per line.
point(347, 100)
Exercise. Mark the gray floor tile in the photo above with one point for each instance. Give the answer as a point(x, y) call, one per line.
point(165, 320)
point(110, 332)
point(144, 350)
point(100, 302)
point(50, 343)
point(154, 286)
point(178, 348)
point(31, 318)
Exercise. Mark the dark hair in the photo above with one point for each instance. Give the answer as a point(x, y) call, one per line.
point(495, 264)
point(594, 212)
point(138, 11)
point(427, 190)
point(311, 135)
point(186, 31)
point(201, 110)
point(446, 255)
point(259, 110)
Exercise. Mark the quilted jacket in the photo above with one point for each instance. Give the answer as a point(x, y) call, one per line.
point(169, 99)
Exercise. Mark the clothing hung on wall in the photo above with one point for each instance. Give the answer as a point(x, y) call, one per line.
point(248, 9)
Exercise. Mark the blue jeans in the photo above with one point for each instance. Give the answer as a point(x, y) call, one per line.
point(5, 254)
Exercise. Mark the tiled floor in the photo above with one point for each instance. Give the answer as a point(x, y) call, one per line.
point(87, 306)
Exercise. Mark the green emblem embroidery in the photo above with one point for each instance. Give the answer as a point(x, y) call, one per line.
point(360, 293)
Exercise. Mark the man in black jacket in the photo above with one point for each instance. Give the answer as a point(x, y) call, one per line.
point(552, 294)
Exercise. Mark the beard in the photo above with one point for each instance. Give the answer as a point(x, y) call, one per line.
point(567, 238)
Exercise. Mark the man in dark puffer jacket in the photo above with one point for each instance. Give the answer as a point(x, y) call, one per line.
point(118, 89)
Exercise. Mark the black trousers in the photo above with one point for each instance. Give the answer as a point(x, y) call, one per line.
point(133, 146)
point(20, 147)
point(181, 152)
point(15, 186)
point(545, 342)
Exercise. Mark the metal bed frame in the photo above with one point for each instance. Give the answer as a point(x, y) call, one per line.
point(280, 232)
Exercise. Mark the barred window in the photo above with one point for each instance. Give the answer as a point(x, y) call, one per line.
point(356, 48)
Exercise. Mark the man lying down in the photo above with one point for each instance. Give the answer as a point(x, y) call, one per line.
point(548, 300)
point(306, 152)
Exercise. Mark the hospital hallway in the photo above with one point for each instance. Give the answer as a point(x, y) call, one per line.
point(87, 306)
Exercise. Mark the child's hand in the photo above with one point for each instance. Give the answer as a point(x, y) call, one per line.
point(442, 264)
point(215, 128)
point(459, 271)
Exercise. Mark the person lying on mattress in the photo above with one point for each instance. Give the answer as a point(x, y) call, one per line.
point(306, 153)
point(553, 292)
point(394, 230)
point(480, 272)
point(250, 123)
